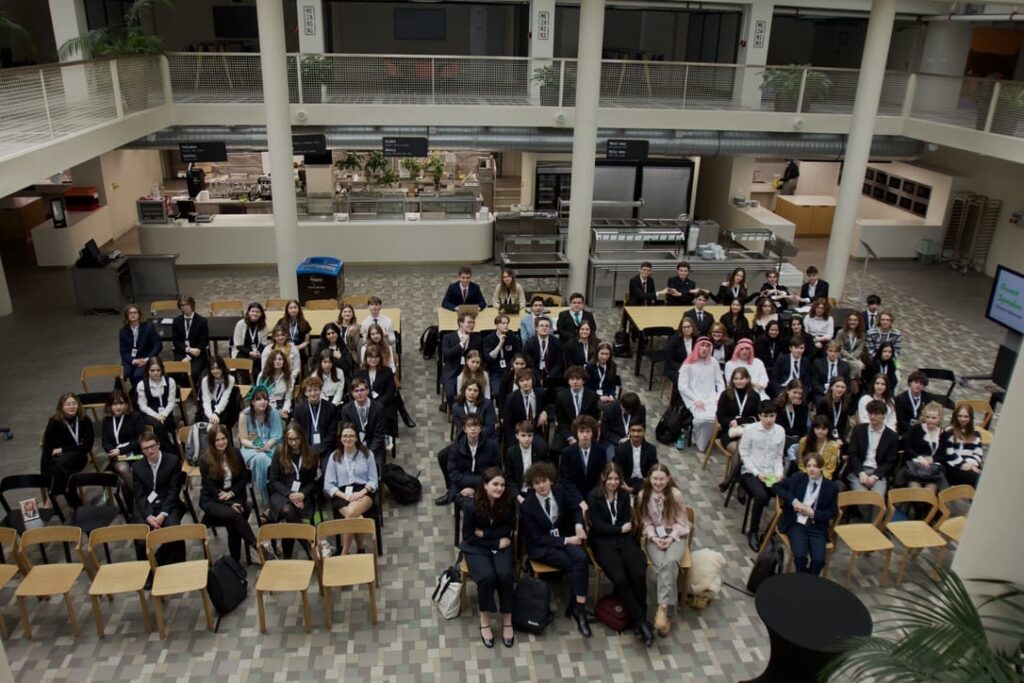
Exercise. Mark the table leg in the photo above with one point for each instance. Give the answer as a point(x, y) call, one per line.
point(640, 343)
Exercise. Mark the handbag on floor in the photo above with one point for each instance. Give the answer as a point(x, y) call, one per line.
point(531, 607)
point(769, 562)
point(448, 590)
point(611, 611)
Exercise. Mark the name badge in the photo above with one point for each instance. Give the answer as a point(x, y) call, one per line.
point(600, 392)
point(502, 364)
point(151, 497)
point(660, 532)
point(316, 438)
point(362, 436)
point(554, 532)
point(295, 486)
point(462, 361)
point(135, 352)
point(376, 395)
point(348, 490)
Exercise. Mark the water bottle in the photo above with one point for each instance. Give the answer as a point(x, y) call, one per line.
point(681, 441)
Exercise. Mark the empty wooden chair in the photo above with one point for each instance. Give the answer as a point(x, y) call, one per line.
point(321, 305)
point(118, 577)
point(864, 537)
point(276, 304)
point(226, 307)
point(44, 580)
point(9, 538)
point(94, 398)
point(949, 525)
point(165, 306)
point(181, 577)
point(914, 535)
point(181, 370)
point(350, 570)
point(285, 576)
point(356, 300)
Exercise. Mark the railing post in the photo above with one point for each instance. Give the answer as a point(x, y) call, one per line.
point(46, 103)
point(433, 84)
point(298, 74)
point(165, 77)
point(115, 86)
point(686, 82)
point(908, 96)
point(992, 104)
point(800, 97)
point(561, 82)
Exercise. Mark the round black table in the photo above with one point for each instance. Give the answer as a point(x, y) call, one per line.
point(807, 618)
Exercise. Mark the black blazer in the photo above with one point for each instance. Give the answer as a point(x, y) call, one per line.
point(58, 435)
point(798, 427)
point(611, 385)
point(127, 441)
point(685, 287)
point(602, 529)
point(905, 413)
point(612, 427)
point(819, 375)
point(572, 472)
point(573, 354)
point(677, 353)
point(382, 389)
point(725, 295)
point(885, 456)
point(624, 459)
point(169, 480)
point(642, 294)
point(565, 409)
point(703, 324)
point(729, 410)
point(873, 367)
point(566, 325)
point(211, 487)
point(770, 350)
point(820, 291)
point(452, 353)
point(279, 479)
point(149, 344)
point(553, 364)
point(494, 530)
point(864, 318)
point(326, 426)
point(780, 372)
point(841, 427)
point(513, 345)
point(794, 488)
point(486, 412)
point(453, 296)
point(738, 329)
point(915, 444)
point(514, 470)
point(536, 526)
point(461, 472)
point(780, 304)
point(376, 425)
point(514, 411)
point(198, 337)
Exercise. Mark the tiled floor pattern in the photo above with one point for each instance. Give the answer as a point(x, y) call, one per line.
point(724, 642)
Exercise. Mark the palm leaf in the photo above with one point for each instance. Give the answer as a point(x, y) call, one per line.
point(10, 27)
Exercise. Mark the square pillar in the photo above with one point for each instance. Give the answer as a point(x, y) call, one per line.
point(310, 15)
point(753, 52)
point(542, 41)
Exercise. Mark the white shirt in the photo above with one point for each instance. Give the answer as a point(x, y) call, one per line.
point(553, 513)
point(527, 461)
point(761, 450)
point(157, 390)
point(212, 401)
point(871, 454)
point(385, 324)
point(636, 461)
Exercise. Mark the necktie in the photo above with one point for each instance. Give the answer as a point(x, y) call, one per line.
point(831, 370)
point(614, 513)
point(536, 319)
point(362, 414)
point(700, 318)
point(375, 321)
point(543, 349)
point(871, 320)
point(796, 369)
point(547, 508)
point(814, 487)
point(586, 457)
point(465, 294)
point(577, 316)
point(529, 408)
point(576, 397)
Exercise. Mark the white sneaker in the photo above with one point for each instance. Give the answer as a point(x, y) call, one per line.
point(325, 550)
point(268, 551)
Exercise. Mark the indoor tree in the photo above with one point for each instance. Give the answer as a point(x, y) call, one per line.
point(126, 38)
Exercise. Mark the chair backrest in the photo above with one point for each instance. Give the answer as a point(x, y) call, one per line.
point(863, 499)
point(114, 534)
point(112, 371)
point(334, 527)
point(228, 306)
point(356, 300)
point(276, 304)
point(178, 532)
point(105, 480)
point(13, 482)
point(49, 534)
point(181, 370)
point(981, 408)
point(298, 532)
point(943, 375)
point(912, 494)
point(162, 306)
point(9, 538)
point(322, 305)
point(951, 495)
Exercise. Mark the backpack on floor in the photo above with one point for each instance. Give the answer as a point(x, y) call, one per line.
point(531, 608)
point(611, 611)
point(195, 445)
point(428, 342)
point(448, 590)
point(405, 488)
point(621, 346)
point(669, 427)
point(769, 562)
point(227, 585)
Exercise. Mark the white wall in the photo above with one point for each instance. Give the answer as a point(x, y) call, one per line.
point(941, 184)
point(127, 175)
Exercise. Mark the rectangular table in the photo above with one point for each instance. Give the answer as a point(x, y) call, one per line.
point(646, 318)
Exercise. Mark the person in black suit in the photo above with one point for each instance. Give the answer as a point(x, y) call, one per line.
point(569, 320)
point(681, 289)
point(581, 349)
point(156, 489)
point(571, 403)
point(642, 291)
point(224, 496)
point(521, 456)
point(870, 314)
point(190, 337)
point(468, 458)
point(809, 504)
point(813, 288)
point(790, 366)
point(737, 407)
point(616, 418)
point(616, 549)
point(455, 346)
point(465, 292)
point(873, 454)
point(552, 523)
point(770, 345)
point(635, 457)
point(292, 482)
point(499, 347)
point(67, 441)
point(734, 287)
point(581, 463)
point(545, 351)
point(702, 320)
point(367, 415)
point(318, 419)
point(825, 369)
point(910, 402)
point(381, 380)
point(528, 402)
point(771, 289)
point(119, 434)
point(487, 546)
point(138, 341)
point(471, 401)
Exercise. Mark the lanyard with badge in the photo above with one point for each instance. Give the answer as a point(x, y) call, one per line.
point(614, 513)
point(836, 411)
point(315, 427)
point(260, 435)
point(116, 424)
point(254, 337)
point(915, 405)
point(294, 329)
point(135, 342)
point(740, 405)
point(297, 484)
point(188, 329)
point(601, 373)
point(218, 391)
point(75, 431)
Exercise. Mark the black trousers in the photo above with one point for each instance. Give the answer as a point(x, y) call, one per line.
point(60, 468)
point(442, 462)
point(282, 510)
point(624, 563)
point(569, 558)
point(492, 571)
point(236, 524)
point(760, 494)
point(168, 553)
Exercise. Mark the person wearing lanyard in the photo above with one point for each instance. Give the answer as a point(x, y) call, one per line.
point(454, 347)
point(581, 463)
point(157, 480)
point(793, 416)
point(138, 341)
point(529, 322)
point(318, 418)
point(468, 458)
point(519, 458)
point(190, 337)
point(836, 407)
point(582, 347)
point(545, 351)
point(350, 479)
point(820, 442)
point(661, 512)
point(883, 331)
point(291, 480)
point(926, 450)
point(471, 401)
point(909, 403)
point(67, 441)
point(851, 340)
point(700, 383)
point(616, 418)
point(224, 480)
point(602, 375)
point(499, 348)
point(218, 395)
point(119, 434)
point(737, 408)
point(509, 296)
point(526, 403)
point(332, 342)
point(809, 504)
point(880, 390)
point(735, 287)
point(331, 376)
point(571, 403)
point(570, 321)
point(790, 366)
point(259, 431)
point(250, 336)
point(635, 458)
point(299, 330)
point(761, 454)
point(367, 415)
point(827, 368)
point(616, 549)
point(964, 452)
point(158, 397)
point(283, 343)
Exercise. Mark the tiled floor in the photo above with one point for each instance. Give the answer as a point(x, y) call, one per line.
point(723, 642)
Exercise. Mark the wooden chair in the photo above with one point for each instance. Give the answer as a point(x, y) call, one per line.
point(276, 304)
point(232, 307)
point(95, 399)
point(45, 580)
point(191, 472)
point(351, 570)
point(982, 409)
point(163, 306)
point(118, 577)
point(685, 562)
point(356, 300)
point(773, 528)
point(914, 535)
point(237, 366)
point(714, 443)
point(321, 305)
point(286, 576)
point(949, 525)
point(863, 537)
point(556, 299)
point(182, 372)
point(89, 516)
point(8, 537)
point(182, 577)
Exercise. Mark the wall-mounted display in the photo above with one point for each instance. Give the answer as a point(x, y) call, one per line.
point(908, 195)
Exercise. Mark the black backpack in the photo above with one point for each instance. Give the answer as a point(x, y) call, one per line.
point(428, 342)
point(405, 488)
point(769, 562)
point(531, 608)
point(227, 585)
point(620, 346)
point(670, 426)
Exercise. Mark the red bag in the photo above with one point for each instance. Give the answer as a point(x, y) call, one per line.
point(612, 613)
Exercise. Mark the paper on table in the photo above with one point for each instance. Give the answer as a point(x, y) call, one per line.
point(166, 321)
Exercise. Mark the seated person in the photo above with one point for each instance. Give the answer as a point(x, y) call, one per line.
point(156, 490)
point(190, 337)
point(734, 287)
point(681, 289)
point(743, 356)
point(910, 402)
point(499, 347)
point(67, 441)
point(368, 417)
point(299, 330)
point(471, 401)
point(259, 432)
point(158, 397)
point(737, 409)
point(250, 337)
point(318, 419)
point(793, 415)
point(581, 348)
point(702, 320)
point(837, 408)
point(375, 317)
point(964, 452)
point(138, 341)
point(509, 297)
point(926, 450)
point(283, 343)
point(602, 375)
point(465, 292)
point(809, 504)
point(872, 456)
point(819, 441)
point(528, 402)
point(771, 289)
point(790, 366)
point(381, 381)
point(736, 324)
point(814, 287)
point(487, 548)
point(581, 463)
point(468, 458)
point(882, 332)
point(635, 458)
point(545, 351)
point(642, 291)
point(508, 379)
point(552, 524)
point(851, 344)
point(571, 403)
point(224, 496)
point(680, 345)
point(331, 376)
point(616, 418)
point(770, 346)
point(700, 383)
point(883, 362)
point(292, 481)
point(333, 343)
point(276, 378)
point(569, 321)
point(616, 549)
point(761, 448)
point(764, 313)
point(218, 395)
point(119, 435)
point(455, 346)
point(521, 456)
point(472, 371)
point(879, 390)
point(350, 479)
point(827, 368)
point(795, 330)
point(819, 324)
point(661, 512)
point(721, 346)
point(870, 313)
point(529, 320)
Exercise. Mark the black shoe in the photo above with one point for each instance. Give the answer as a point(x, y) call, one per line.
point(488, 642)
point(723, 487)
point(754, 541)
point(646, 633)
point(582, 625)
point(741, 497)
point(508, 642)
point(445, 499)
point(409, 422)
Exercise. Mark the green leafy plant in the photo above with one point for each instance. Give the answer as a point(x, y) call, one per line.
point(435, 167)
point(937, 634)
point(350, 163)
point(387, 177)
point(120, 39)
point(784, 84)
point(413, 166)
point(545, 75)
point(375, 164)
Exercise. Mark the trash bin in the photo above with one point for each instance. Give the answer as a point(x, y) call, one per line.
point(927, 251)
point(321, 277)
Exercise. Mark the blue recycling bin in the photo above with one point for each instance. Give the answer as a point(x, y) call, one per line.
point(321, 277)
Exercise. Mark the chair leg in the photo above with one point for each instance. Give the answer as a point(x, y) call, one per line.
point(305, 611)
point(158, 606)
point(24, 617)
point(597, 584)
point(462, 594)
point(145, 612)
point(849, 569)
point(262, 611)
point(96, 614)
point(885, 569)
point(903, 565)
point(373, 604)
point(71, 614)
point(4, 633)
point(208, 608)
point(328, 607)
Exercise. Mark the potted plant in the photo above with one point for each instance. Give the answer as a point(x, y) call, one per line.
point(120, 39)
point(784, 84)
point(374, 165)
point(937, 634)
point(1009, 109)
point(316, 74)
point(349, 165)
point(547, 78)
point(413, 166)
point(387, 177)
point(435, 167)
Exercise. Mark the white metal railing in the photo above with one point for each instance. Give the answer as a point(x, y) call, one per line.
point(979, 103)
point(41, 104)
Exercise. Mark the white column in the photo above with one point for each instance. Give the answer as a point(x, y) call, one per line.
point(6, 308)
point(279, 141)
point(753, 52)
point(68, 19)
point(858, 145)
point(946, 46)
point(542, 40)
point(311, 26)
point(527, 177)
point(584, 141)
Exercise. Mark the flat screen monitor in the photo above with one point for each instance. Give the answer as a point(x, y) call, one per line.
point(186, 207)
point(420, 23)
point(92, 250)
point(1006, 302)
point(235, 21)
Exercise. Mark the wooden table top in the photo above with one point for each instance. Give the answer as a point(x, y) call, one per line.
point(448, 321)
point(646, 317)
point(317, 319)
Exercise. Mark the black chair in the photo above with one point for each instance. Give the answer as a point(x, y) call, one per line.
point(942, 375)
point(13, 517)
point(89, 516)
